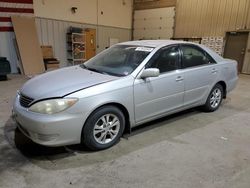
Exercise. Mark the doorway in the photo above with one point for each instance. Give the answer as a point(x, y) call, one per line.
point(235, 48)
point(90, 36)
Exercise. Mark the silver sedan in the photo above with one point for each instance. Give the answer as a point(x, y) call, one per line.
point(124, 86)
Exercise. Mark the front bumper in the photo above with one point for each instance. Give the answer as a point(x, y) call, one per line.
point(59, 129)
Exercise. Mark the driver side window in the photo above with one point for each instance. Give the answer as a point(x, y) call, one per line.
point(165, 60)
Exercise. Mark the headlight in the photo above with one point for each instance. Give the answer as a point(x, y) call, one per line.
point(52, 106)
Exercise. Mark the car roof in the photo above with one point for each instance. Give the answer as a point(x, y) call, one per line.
point(162, 43)
point(153, 43)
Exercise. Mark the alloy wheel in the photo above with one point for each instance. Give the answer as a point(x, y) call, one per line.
point(106, 128)
point(215, 98)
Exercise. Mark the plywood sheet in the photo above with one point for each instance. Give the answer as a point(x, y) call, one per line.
point(28, 45)
point(19, 63)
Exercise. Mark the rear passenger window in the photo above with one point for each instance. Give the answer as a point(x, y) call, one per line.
point(192, 57)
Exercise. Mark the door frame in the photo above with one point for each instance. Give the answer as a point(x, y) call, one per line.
point(139, 81)
point(226, 39)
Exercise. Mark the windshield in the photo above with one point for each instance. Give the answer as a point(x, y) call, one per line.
point(120, 60)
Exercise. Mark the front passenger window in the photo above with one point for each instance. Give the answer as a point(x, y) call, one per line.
point(165, 60)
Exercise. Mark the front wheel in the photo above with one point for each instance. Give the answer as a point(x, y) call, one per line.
point(103, 128)
point(214, 99)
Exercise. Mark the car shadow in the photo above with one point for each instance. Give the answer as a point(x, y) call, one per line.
point(163, 129)
point(33, 150)
point(162, 121)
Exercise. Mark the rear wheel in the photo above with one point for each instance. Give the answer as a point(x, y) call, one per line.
point(103, 128)
point(214, 99)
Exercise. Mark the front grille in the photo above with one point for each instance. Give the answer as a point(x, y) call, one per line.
point(25, 101)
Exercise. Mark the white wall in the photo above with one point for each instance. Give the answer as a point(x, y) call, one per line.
point(54, 17)
point(53, 32)
point(116, 13)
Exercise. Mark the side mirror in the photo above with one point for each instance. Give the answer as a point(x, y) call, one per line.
point(150, 72)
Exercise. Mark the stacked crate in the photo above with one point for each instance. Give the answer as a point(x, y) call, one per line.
point(215, 43)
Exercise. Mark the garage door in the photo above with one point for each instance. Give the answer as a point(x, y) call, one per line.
point(154, 23)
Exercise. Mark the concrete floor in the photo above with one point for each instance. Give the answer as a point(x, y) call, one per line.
point(190, 149)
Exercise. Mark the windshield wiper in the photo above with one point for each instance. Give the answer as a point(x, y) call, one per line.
point(95, 70)
point(102, 72)
point(92, 69)
point(83, 66)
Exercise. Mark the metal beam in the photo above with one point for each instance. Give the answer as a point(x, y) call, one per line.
point(150, 4)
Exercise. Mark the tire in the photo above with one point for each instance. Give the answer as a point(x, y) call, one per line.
point(103, 128)
point(213, 104)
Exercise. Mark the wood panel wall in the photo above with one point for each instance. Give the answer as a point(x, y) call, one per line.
point(197, 18)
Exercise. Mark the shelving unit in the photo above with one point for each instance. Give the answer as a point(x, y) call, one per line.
point(76, 48)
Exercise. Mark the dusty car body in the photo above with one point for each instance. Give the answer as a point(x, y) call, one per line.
point(99, 102)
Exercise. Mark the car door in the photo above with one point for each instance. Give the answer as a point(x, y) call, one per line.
point(157, 95)
point(200, 73)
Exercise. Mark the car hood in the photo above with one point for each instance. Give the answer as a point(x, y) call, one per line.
point(61, 82)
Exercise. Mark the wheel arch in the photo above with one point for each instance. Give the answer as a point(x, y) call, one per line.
point(224, 86)
point(120, 107)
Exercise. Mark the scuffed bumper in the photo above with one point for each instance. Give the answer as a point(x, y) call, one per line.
point(50, 130)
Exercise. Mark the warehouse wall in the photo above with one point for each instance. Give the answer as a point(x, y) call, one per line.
point(110, 18)
point(115, 13)
point(155, 23)
point(197, 18)
point(53, 32)
point(61, 10)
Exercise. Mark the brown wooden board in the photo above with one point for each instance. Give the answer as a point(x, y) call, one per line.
point(51, 65)
point(19, 63)
point(28, 45)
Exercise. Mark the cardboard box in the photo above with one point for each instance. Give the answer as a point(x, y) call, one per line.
point(52, 65)
point(47, 52)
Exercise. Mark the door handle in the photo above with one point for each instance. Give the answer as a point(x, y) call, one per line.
point(214, 70)
point(179, 78)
